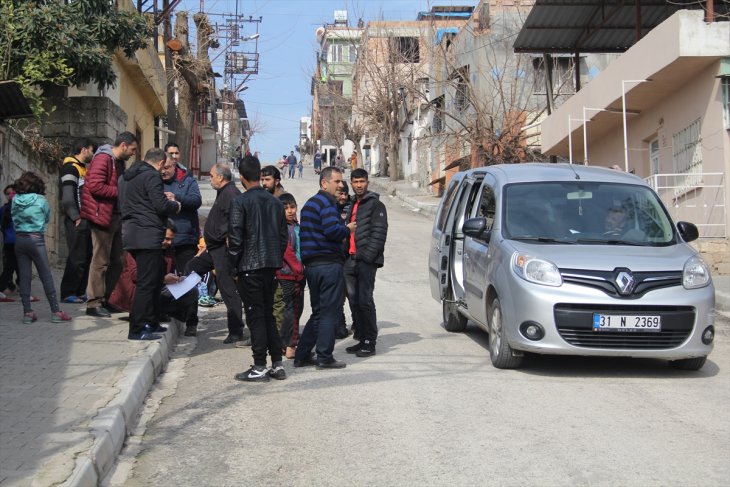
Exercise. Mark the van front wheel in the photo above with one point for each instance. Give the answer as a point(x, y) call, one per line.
point(454, 321)
point(502, 355)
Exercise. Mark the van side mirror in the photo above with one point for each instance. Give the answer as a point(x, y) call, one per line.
point(688, 231)
point(476, 228)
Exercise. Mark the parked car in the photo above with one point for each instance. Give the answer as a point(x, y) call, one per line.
point(573, 260)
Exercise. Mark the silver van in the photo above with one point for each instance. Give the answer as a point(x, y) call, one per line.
point(573, 260)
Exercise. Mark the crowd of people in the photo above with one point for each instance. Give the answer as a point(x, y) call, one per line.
point(133, 232)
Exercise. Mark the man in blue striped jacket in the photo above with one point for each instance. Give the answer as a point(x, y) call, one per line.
point(322, 236)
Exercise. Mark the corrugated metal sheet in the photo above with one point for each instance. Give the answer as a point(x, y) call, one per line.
point(568, 26)
point(12, 102)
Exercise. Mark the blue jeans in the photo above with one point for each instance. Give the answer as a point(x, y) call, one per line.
point(30, 248)
point(326, 287)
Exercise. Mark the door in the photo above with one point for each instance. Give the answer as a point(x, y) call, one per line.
point(441, 235)
point(476, 254)
point(464, 209)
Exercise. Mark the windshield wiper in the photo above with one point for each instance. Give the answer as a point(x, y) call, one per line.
point(603, 241)
point(543, 240)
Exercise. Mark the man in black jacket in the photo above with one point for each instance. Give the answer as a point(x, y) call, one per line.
point(145, 210)
point(215, 233)
point(364, 256)
point(257, 239)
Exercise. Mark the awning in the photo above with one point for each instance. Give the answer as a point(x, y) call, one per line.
point(445, 30)
point(13, 103)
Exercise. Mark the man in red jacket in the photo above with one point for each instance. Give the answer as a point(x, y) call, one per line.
point(100, 206)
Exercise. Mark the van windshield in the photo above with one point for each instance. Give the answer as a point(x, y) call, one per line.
point(581, 212)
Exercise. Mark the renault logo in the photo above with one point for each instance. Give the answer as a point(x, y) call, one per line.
point(625, 282)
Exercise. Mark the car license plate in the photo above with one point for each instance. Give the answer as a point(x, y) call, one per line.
point(629, 323)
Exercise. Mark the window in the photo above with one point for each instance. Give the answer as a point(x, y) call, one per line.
point(562, 75)
point(461, 100)
point(404, 50)
point(353, 54)
point(447, 202)
point(725, 81)
point(686, 150)
point(335, 53)
point(487, 206)
point(654, 156)
point(437, 123)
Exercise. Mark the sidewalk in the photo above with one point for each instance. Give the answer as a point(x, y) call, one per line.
point(69, 392)
point(426, 204)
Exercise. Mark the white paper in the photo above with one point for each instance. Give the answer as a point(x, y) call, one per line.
point(179, 288)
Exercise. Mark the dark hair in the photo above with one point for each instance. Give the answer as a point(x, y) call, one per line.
point(358, 173)
point(250, 168)
point(9, 186)
point(223, 170)
point(155, 155)
point(171, 144)
point(271, 171)
point(345, 187)
point(170, 225)
point(287, 199)
point(125, 138)
point(29, 182)
point(81, 144)
point(326, 173)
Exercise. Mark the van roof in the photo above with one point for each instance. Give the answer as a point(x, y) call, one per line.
point(535, 171)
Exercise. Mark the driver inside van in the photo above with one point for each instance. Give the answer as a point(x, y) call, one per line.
point(618, 223)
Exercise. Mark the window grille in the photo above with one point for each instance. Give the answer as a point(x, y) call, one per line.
point(687, 155)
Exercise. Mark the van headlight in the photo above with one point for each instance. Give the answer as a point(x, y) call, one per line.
point(695, 273)
point(539, 271)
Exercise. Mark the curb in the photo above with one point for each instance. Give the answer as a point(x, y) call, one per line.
point(110, 427)
point(425, 209)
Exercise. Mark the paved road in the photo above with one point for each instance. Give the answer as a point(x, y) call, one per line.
point(429, 409)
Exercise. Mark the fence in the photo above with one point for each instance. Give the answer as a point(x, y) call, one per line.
point(700, 199)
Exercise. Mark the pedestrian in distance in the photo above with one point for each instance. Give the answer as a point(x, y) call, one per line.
point(145, 210)
point(292, 163)
point(257, 240)
point(364, 257)
point(31, 214)
point(78, 232)
point(215, 233)
point(317, 162)
point(291, 279)
point(300, 167)
point(180, 185)
point(321, 235)
point(10, 262)
point(100, 206)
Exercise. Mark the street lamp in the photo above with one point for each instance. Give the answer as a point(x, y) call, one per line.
point(623, 112)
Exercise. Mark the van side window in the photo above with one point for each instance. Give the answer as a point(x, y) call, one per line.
point(487, 206)
point(448, 201)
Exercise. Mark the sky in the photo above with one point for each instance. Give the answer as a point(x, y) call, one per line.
point(279, 95)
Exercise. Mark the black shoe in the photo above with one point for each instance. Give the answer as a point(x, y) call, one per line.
point(307, 362)
point(277, 372)
point(232, 339)
point(112, 309)
point(243, 343)
point(334, 364)
point(144, 336)
point(254, 374)
point(366, 351)
point(342, 332)
point(99, 312)
point(354, 348)
point(154, 328)
point(191, 331)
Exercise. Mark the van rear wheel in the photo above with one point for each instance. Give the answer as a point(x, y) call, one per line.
point(454, 321)
point(502, 355)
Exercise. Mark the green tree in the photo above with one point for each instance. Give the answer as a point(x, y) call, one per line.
point(52, 42)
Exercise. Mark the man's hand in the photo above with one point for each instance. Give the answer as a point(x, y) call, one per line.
point(77, 222)
point(352, 226)
point(170, 196)
point(172, 278)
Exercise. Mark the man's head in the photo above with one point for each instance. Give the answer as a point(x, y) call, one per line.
point(291, 153)
point(220, 175)
point(615, 220)
point(167, 169)
point(250, 171)
point(170, 229)
point(125, 146)
point(173, 152)
point(359, 181)
point(9, 192)
point(155, 157)
point(290, 207)
point(330, 180)
point(83, 150)
point(343, 193)
point(270, 178)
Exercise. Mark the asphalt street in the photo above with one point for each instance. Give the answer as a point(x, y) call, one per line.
point(429, 408)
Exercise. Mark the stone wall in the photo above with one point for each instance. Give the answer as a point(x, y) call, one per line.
point(92, 117)
point(716, 252)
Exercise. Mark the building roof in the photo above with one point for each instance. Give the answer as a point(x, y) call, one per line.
point(570, 26)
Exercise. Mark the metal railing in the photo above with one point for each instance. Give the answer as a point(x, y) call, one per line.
point(694, 197)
